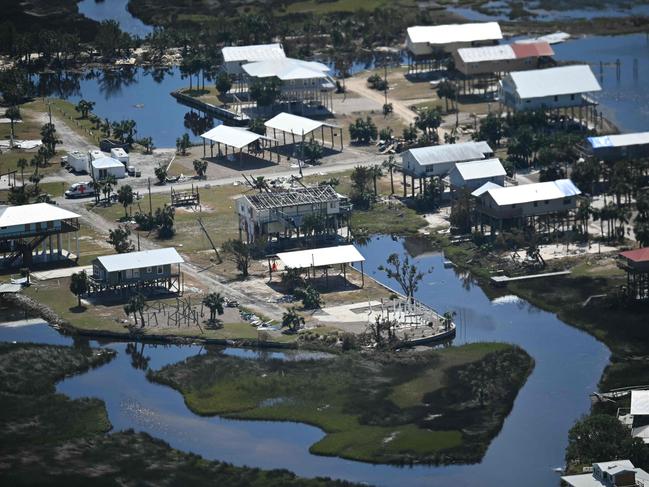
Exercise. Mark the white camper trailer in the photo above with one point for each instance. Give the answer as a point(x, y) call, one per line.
point(120, 154)
point(95, 154)
point(78, 161)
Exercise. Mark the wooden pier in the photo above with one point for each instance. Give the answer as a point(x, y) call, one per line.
point(218, 112)
point(504, 280)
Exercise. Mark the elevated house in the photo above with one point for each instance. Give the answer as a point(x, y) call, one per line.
point(135, 271)
point(34, 234)
point(438, 160)
point(549, 89)
point(424, 44)
point(544, 206)
point(636, 265)
point(474, 174)
point(636, 418)
point(284, 214)
point(482, 67)
point(236, 56)
point(612, 148)
point(302, 82)
point(617, 473)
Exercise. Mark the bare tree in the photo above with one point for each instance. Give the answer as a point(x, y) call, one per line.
point(406, 274)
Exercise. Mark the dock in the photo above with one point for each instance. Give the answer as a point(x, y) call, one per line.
point(504, 280)
point(208, 108)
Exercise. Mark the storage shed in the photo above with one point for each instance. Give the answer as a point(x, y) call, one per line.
point(107, 166)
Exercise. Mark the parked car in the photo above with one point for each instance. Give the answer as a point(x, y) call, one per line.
point(80, 190)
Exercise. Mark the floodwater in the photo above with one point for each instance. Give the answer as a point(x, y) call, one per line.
point(569, 364)
point(114, 10)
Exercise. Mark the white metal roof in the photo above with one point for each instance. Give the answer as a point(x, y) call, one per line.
point(38, 212)
point(286, 69)
point(620, 140)
point(526, 193)
point(488, 168)
point(294, 124)
point(640, 403)
point(300, 259)
point(258, 52)
point(484, 188)
point(562, 80)
point(140, 260)
point(232, 136)
point(106, 163)
point(451, 33)
point(486, 53)
point(439, 154)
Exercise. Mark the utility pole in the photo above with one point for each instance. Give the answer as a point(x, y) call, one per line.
point(150, 205)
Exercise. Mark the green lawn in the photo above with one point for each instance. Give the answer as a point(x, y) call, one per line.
point(373, 408)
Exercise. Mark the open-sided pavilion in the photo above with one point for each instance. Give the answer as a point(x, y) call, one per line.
point(300, 128)
point(321, 258)
point(238, 140)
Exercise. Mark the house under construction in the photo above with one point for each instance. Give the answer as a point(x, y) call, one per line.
point(35, 233)
point(317, 210)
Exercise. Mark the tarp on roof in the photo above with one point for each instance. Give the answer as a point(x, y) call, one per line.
point(636, 255)
point(286, 69)
point(562, 80)
point(486, 53)
point(526, 193)
point(301, 259)
point(232, 136)
point(640, 403)
point(294, 124)
point(439, 154)
point(258, 52)
point(27, 214)
point(452, 33)
point(532, 49)
point(106, 163)
point(140, 260)
point(484, 188)
point(488, 168)
point(620, 140)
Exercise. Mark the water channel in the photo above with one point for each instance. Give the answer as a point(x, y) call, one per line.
point(114, 10)
point(568, 365)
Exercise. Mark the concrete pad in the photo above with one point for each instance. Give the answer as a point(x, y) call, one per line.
point(60, 273)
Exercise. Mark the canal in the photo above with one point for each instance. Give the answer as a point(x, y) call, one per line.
point(531, 443)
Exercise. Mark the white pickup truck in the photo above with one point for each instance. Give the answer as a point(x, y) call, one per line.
point(80, 190)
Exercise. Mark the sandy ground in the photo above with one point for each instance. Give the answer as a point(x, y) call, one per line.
point(559, 251)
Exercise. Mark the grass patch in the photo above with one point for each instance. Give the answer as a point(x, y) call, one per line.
point(412, 407)
point(386, 218)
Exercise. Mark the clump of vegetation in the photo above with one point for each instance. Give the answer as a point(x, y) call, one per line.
point(363, 131)
point(415, 407)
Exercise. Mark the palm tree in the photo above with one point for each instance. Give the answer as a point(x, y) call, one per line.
point(376, 173)
point(22, 164)
point(79, 285)
point(390, 164)
point(13, 114)
point(125, 197)
point(84, 107)
point(214, 301)
point(135, 306)
point(292, 320)
point(110, 182)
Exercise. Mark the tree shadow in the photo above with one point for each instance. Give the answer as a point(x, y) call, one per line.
point(78, 309)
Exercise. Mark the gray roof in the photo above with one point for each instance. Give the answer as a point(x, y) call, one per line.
point(526, 193)
point(619, 140)
point(258, 52)
point(106, 163)
point(488, 168)
point(484, 188)
point(440, 154)
point(562, 80)
point(140, 260)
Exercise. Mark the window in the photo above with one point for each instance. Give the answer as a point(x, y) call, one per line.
point(136, 273)
point(536, 203)
point(556, 98)
point(149, 270)
point(332, 204)
point(547, 202)
point(567, 201)
point(129, 273)
point(572, 97)
point(513, 206)
point(27, 227)
point(50, 224)
point(160, 269)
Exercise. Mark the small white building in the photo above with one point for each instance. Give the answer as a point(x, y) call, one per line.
point(106, 166)
point(236, 56)
point(472, 175)
point(438, 160)
point(560, 87)
point(78, 161)
point(120, 155)
point(617, 473)
point(426, 40)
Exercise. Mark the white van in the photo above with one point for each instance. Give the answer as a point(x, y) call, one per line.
point(80, 190)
